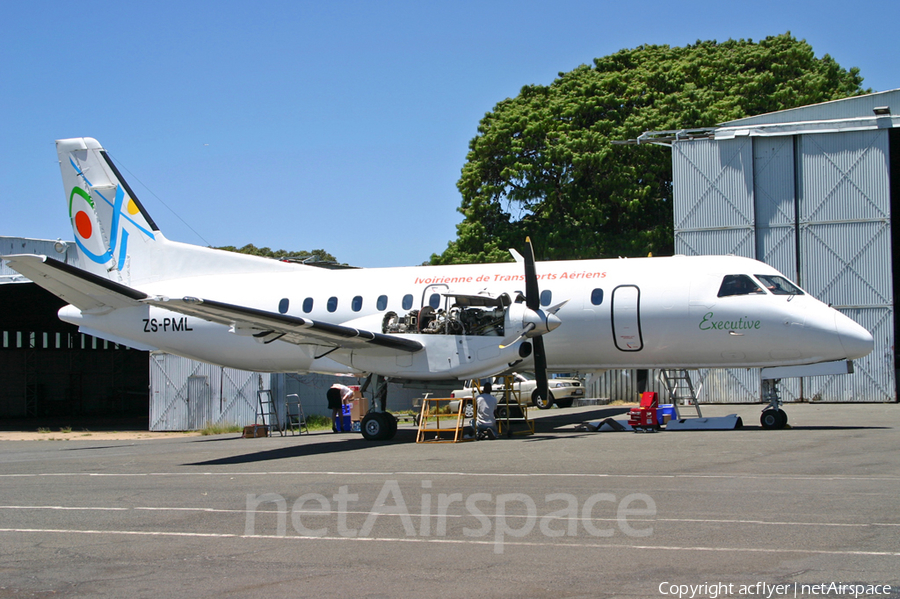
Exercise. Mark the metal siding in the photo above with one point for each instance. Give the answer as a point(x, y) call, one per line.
point(622, 385)
point(848, 264)
point(713, 184)
point(22, 245)
point(846, 252)
point(843, 216)
point(845, 177)
point(177, 403)
point(774, 203)
point(836, 109)
point(739, 242)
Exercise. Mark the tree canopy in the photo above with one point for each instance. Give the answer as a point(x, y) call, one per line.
point(316, 255)
point(542, 163)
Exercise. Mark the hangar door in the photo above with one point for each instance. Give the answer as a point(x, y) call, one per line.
point(844, 216)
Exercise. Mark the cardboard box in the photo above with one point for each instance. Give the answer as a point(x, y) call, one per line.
point(256, 430)
point(359, 407)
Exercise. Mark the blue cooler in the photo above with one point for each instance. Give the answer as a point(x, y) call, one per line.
point(664, 409)
point(344, 424)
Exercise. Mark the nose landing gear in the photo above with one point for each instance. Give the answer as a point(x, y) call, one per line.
point(772, 417)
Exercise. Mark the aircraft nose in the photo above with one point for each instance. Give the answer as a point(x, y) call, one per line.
point(856, 341)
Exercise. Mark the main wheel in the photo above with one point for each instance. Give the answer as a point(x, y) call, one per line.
point(392, 426)
point(375, 426)
point(782, 419)
point(537, 400)
point(773, 419)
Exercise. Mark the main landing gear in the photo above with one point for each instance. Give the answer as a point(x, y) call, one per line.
point(772, 417)
point(378, 426)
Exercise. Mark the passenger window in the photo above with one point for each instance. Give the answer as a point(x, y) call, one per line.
point(356, 304)
point(779, 285)
point(597, 297)
point(308, 305)
point(546, 297)
point(283, 305)
point(435, 300)
point(381, 304)
point(407, 301)
point(332, 304)
point(738, 285)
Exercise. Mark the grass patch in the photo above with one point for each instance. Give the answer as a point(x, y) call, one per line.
point(220, 428)
point(316, 422)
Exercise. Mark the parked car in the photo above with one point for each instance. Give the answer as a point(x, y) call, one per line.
point(563, 391)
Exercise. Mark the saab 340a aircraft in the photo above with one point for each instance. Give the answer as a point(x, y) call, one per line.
point(137, 288)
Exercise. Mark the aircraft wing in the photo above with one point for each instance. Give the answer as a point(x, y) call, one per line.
point(293, 329)
point(84, 290)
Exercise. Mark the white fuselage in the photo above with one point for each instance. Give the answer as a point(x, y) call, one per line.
point(626, 313)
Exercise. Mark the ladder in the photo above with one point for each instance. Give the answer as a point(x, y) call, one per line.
point(511, 411)
point(430, 430)
point(294, 416)
point(266, 414)
point(681, 392)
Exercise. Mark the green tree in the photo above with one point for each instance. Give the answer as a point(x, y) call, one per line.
point(316, 255)
point(543, 164)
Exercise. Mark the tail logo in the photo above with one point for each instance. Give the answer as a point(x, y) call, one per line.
point(88, 219)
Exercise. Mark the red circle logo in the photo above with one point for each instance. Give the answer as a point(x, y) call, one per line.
point(83, 224)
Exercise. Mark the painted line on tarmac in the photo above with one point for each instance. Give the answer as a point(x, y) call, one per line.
point(776, 477)
point(506, 542)
point(448, 515)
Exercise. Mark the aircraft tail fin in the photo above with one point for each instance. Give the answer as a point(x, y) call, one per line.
point(115, 235)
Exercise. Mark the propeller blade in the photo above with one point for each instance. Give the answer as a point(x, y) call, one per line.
point(532, 292)
point(540, 372)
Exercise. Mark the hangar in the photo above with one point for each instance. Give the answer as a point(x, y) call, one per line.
point(809, 191)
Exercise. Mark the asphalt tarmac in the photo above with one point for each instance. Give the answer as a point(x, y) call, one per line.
point(745, 513)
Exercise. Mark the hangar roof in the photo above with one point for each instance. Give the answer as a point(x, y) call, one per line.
point(879, 110)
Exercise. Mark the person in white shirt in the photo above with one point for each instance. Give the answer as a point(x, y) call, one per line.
point(485, 421)
point(337, 396)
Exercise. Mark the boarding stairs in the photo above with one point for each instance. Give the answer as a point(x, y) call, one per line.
point(682, 393)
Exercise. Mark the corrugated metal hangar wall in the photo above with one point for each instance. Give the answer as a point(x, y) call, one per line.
point(809, 192)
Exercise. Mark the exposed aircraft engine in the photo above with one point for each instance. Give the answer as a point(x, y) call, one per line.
point(460, 318)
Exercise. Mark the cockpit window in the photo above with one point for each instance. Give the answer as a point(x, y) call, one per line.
point(738, 285)
point(779, 285)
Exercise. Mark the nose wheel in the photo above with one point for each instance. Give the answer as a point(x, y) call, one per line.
point(773, 417)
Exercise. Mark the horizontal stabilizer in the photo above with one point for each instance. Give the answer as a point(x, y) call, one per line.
point(293, 329)
point(86, 291)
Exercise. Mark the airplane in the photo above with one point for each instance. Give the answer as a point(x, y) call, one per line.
point(135, 287)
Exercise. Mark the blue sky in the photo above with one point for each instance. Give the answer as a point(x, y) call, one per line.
point(339, 125)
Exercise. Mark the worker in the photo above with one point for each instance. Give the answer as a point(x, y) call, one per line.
point(485, 421)
point(338, 395)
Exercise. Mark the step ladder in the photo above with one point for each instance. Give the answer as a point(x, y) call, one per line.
point(431, 429)
point(682, 393)
point(294, 416)
point(512, 414)
point(266, 414)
